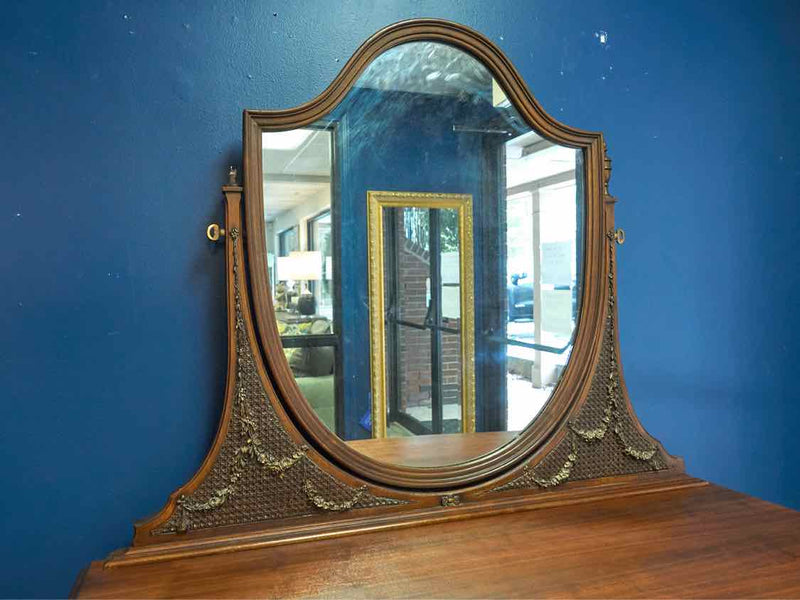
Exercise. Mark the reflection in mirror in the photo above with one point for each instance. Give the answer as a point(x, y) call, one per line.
point(424, 248)
point(298, 192)
point(421, 321)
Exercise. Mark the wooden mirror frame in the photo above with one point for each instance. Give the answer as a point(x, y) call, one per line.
point(296, 480)
point(538, 436)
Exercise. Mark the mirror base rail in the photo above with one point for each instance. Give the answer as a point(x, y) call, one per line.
point(450, 507)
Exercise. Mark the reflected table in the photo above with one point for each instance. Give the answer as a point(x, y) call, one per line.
point(443, 449)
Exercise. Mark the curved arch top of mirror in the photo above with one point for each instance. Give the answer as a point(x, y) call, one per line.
point(424, 254)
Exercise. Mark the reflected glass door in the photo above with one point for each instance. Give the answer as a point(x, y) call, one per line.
point(423, 342)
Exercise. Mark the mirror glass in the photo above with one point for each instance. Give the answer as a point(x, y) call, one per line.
point(424, 249)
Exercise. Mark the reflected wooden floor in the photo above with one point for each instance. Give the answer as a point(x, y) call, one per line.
point(432, 450)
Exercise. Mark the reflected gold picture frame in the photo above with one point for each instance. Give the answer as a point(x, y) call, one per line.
point(377, 201)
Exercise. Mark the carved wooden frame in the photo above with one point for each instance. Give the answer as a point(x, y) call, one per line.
point(531, 471)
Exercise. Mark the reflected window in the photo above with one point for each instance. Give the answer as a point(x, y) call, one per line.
point(287, 241)
point(320, 239)
point(541, 267)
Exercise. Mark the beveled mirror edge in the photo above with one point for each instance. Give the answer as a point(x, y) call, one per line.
point(577, 376)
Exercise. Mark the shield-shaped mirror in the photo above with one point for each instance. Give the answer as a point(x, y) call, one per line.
point(424, 258)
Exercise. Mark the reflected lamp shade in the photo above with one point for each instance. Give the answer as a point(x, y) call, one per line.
point(300, 266)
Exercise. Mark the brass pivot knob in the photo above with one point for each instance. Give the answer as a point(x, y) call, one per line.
point(214, 232)
point(619, 235)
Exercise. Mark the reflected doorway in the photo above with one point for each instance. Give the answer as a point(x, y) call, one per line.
point(421, 314)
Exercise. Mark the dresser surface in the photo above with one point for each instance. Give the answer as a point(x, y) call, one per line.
point(697, 542)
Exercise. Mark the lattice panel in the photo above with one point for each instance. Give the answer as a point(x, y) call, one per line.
point(260, 473)
point(603, 439)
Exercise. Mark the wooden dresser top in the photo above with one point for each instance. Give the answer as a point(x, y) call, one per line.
point(697, 542)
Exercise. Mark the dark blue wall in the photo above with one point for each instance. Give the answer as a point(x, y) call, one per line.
point(116, 123)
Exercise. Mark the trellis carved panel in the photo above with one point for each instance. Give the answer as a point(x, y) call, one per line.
point(602, 439)
point(260, 473)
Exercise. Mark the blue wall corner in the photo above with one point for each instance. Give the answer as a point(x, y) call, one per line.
point(118, 120)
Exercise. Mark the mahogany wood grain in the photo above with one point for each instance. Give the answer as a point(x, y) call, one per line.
point(432, 450)
point(697, 542)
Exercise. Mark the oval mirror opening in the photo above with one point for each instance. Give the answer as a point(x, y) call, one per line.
point(424, 252)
